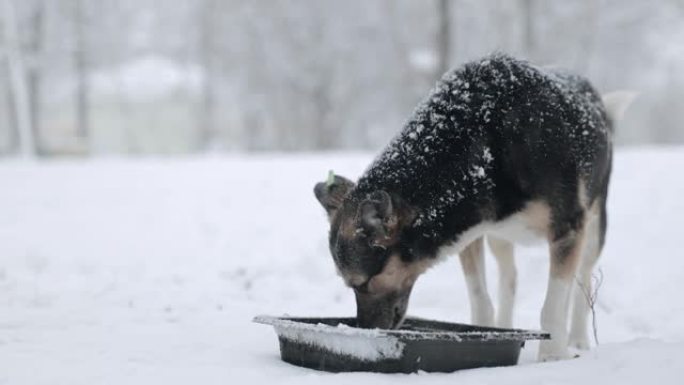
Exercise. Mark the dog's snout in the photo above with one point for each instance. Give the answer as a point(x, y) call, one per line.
point(384, 312)
point(398, 317)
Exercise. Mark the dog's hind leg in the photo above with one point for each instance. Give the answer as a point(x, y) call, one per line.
point(473, 263)
point(594, 230)
point(566, 248)
point(508, 280)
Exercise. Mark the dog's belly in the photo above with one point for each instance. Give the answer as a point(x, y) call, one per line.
point(528, 226)
point(517, 231)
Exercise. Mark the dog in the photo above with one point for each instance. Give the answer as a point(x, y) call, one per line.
point(502, 149)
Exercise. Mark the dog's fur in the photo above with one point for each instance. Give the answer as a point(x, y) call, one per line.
point(500, 148)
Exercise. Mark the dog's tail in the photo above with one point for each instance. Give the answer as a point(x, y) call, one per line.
point(617, 102)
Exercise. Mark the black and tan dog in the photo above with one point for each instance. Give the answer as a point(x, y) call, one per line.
point(500, 148)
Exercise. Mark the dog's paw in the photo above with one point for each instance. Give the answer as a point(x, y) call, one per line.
point(581, 343)
point(551, 351)
point(556, 357)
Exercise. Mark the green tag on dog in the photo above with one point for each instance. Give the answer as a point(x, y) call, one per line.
point(331, 179)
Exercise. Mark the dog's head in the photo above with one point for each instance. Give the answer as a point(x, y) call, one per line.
point(366, 244)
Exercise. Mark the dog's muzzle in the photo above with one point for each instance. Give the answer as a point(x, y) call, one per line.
point(385, 311)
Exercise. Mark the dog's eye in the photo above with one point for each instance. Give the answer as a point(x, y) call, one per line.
point(360, 233)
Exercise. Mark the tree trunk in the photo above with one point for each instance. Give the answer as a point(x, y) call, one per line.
point(529, 30)
point(443, 37)
point(208, 134)
point(14, 140)
point(588, 41)
point(18, 81)
point(327, 136)
point(81, 69)
point(34, 71)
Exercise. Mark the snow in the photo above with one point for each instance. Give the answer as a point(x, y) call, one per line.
point(151, 270)
point(366, 349)
point(363, 344)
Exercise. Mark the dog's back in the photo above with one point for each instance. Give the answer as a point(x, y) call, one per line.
point(491, 137)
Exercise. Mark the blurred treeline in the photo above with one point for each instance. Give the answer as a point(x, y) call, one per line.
point(183, 76)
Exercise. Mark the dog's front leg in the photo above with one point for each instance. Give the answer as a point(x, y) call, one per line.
point(508, 280)
point(565, 255)
point(473, 263)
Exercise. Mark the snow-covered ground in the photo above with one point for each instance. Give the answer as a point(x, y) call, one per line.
point(149, 271)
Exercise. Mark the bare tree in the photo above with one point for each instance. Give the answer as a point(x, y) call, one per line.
point(81, 69)
point(589, 36)
point(321, 86)
point(444, 44)
point(20, 92)
point(33, 67)
point(327, 136)
point(208, 57)
point(410, 80)
point(14, 137)
point(590, 289)
point(528, 8)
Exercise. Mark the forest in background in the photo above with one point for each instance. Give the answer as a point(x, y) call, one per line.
point(88, 77)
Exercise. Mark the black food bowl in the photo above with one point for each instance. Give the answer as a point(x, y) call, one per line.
point(332, 345)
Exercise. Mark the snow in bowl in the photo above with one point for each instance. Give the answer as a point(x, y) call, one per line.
point(334, 345)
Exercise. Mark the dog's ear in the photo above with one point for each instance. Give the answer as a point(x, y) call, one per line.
point(331, 193)
point(378, 218)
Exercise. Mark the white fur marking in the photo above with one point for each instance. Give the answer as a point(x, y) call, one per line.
point(579, 337)
point(554, 320)
point(503, 252)
point(473, 263)
point(481, 308)
point(527, 226)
